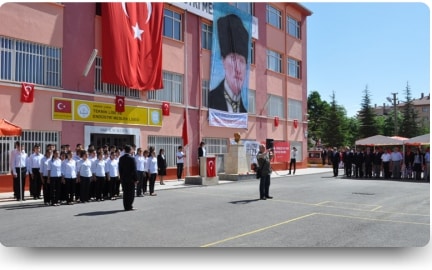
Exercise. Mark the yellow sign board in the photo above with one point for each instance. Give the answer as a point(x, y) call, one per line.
point(98, 112)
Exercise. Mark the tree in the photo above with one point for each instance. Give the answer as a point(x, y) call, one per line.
point(367, 117)
point(409, 127)
point(317, 109)
point(332, 133)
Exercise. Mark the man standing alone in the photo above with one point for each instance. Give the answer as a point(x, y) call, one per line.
point(128, 177)
point(293, 160)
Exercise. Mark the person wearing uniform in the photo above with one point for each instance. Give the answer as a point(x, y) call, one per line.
point(35, 164)
point(263, 159)
point(293, 160)
point(128, 177)
point(19, 170)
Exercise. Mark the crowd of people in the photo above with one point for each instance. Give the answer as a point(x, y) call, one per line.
point(380, 162)
point(84, 175)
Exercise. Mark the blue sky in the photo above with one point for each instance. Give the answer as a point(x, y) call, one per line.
point(379, 45)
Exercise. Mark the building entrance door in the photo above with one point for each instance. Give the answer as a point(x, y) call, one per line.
point(111, 139)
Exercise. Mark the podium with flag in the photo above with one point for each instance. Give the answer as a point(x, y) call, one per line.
point(208, 173)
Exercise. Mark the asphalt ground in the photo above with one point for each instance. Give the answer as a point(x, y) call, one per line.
point(308, 210)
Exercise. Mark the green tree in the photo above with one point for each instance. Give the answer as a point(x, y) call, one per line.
point(332, 125)
point(351, 131)
point(367, 117)
point(409, 127)
point(317, 109)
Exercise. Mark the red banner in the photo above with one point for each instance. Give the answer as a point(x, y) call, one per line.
point(120, 104)
point(132, 44)
point(211, 166)
point(185, 129)
point(27, 92)
point(281, 151)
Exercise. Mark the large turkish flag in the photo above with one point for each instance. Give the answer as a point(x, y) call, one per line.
point(211, 167)
point(132, 44)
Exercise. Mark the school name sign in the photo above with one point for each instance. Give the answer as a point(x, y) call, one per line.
point(98, 112)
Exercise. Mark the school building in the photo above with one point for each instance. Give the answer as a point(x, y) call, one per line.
point(50, 45)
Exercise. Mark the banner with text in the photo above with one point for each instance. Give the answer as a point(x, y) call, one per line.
point(98, 112)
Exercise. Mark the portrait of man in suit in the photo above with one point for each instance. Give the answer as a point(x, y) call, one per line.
point(234, 48)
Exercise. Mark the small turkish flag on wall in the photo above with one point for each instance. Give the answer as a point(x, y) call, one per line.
point(165, 108)
point(27, 92)
point(295, 123)
point(211, 167)
point(276, 121)
point(120, 104)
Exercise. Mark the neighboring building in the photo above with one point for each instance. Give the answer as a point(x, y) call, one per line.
point(421, 107)
point(49, 45)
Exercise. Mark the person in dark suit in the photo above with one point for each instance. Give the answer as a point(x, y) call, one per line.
point(335, 161)
point(201, 153)
point(128, 177)
point(234, 47)
point(162, 165)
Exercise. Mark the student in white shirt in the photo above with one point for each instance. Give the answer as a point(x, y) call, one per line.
point(54, 177)
point(140, 162)
point(84, 175)
point(69, 176)
point(18, 164)
point(112, 174)
point(44, 170)
point(35, 165)
point(152, 171)
point(180, 162)
point(98, 170)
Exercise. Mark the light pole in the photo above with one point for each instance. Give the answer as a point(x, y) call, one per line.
point(393, 101)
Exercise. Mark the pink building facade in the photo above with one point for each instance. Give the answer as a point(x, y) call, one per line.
point(50, 47)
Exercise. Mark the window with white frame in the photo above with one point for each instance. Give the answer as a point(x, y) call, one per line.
point(293, 68)
point(275, 106)
point(111, 89)
point(172, 24)
point(23, 61)
point(295, 110)
point(245, 6)
point(28, 138)
point(205, 88)
point(252, 101)
point(293, 27)
point(274, 16)
point(168, 144)
point(274, 61)
point(216, 145)
point(206, 36)
point(172, 91)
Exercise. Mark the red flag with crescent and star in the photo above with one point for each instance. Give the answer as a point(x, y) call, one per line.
point(211, 166)
point(132, 44)
point(62, 106)
point(27, 92)
point(120, 103)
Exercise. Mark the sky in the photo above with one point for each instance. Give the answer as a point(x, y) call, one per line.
point(379, 46)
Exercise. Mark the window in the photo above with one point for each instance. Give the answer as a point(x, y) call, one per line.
point(274, 61)
point(253, 52)
point(216, 145)
point(172, 25)
point(205, 85)
point(274, 17)
point(169, 144)
point(425, 109)
point(172, 91)
point(29, 138)
point(275, 106)
point(245, 6)
point(111, 89)
point(206, 36)
point(295, 110)
point(293, 68)
point(252, 101)
point(23, 61)
point(293, 27)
